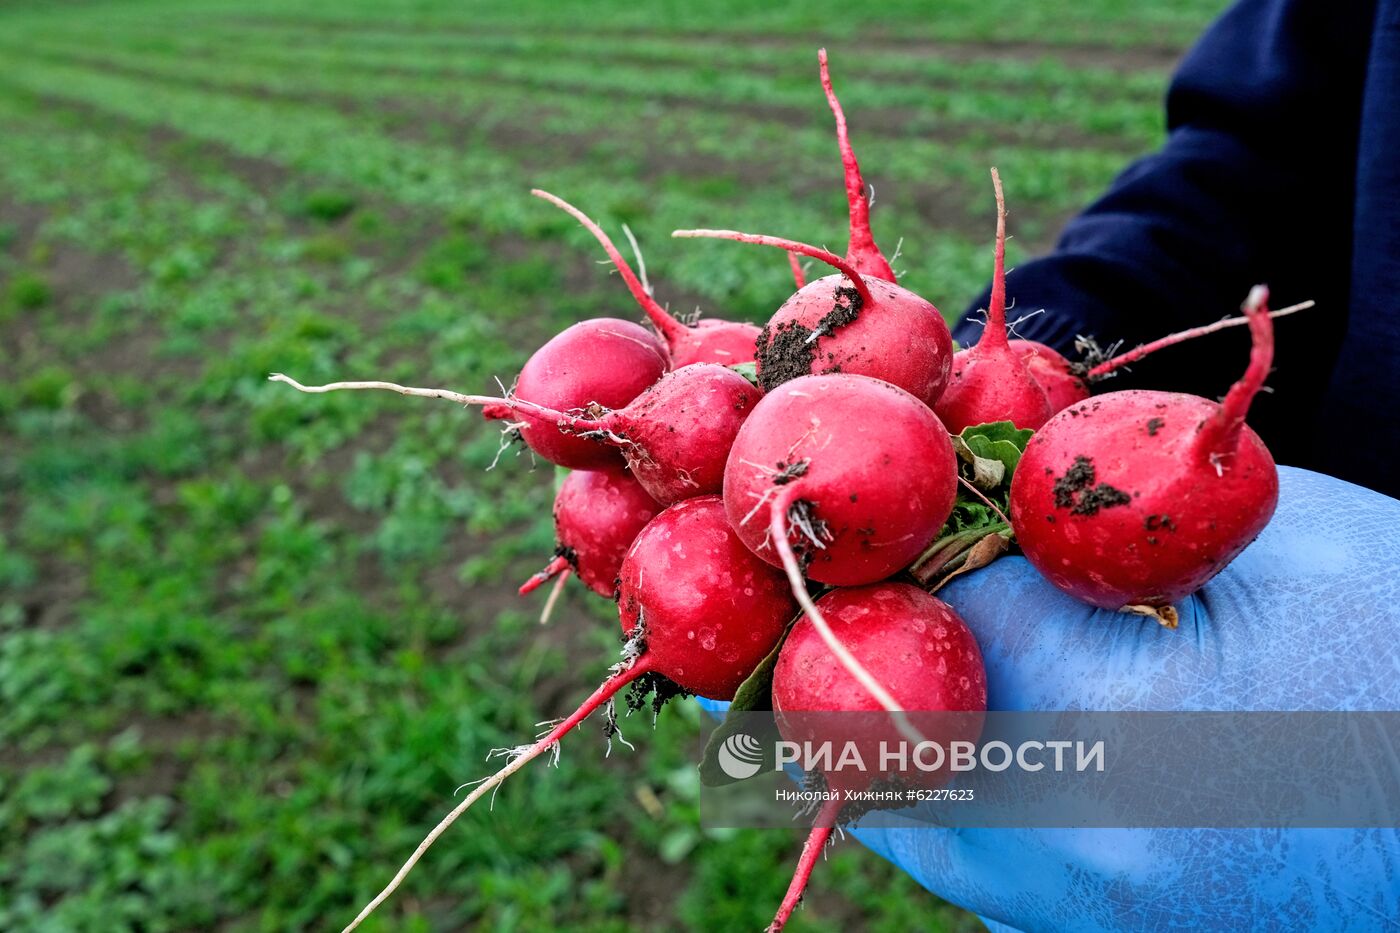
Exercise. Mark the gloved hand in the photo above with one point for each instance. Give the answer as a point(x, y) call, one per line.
point(1305, 619)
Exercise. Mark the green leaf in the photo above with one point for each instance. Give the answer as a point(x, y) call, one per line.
point(1000, 431)
point(1000, 441)
point(975, 534)
point(754, 694)
point(987, 471)
point(748, 370)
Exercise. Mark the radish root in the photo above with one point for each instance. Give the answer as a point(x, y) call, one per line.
point(554, 594)
point(559, 565)
point(798, 276)
point(994, 333)
point(565, 420)
point(862, 250)
point(1108, 367)
point(663, 320)
point(448, 394)
point(792, 246)
point(605, 692)
point(637, 255)
point(814, 846)
point(1220, 435)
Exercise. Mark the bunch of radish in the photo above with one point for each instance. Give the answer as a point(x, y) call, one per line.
point(797, 491)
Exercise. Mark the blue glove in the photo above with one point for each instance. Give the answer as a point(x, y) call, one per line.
point(1305, 619)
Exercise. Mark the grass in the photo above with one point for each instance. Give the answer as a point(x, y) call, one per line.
point(250, 642)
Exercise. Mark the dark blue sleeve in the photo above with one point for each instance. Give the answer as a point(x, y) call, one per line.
point(1254, 184)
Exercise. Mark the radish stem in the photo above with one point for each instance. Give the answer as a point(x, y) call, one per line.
point(1220, 435)
point(822, 825)
point(554, 594)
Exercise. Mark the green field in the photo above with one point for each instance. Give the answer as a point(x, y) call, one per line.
point(250, 641)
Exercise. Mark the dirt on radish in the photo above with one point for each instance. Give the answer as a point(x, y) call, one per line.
point(849, 323)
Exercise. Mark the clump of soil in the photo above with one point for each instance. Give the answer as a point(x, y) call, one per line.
point(786, 352)
point(1076, 490)
point(654, 690)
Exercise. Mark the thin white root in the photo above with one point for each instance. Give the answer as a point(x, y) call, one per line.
point(641, 263)
point(510, 432)
point(763, 500)
point(553, 599)
point(481, 789)
point(778, 532)
point(1116, 361)
point(622, 674)
point(389, 387)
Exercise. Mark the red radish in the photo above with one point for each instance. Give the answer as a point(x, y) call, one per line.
point(857, 473)
point(699, 610)
point(867, 466)
point(675, 436)
point(1135, 499)
point(850, 323)
point(605, 362)
point(862, 253)
point(597, 516)
point(708, 341)
point(1052, 372)
point(914, 644)
point(711, 610)
point(990, 381)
